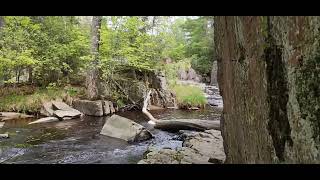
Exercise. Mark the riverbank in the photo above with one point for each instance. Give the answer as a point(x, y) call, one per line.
point(29, 99)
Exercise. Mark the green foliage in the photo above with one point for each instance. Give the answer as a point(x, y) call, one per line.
point(189, 96)
point(51, 47)
point(200, 43)
point(31, 103)
point(126, 46)
point(172, 69)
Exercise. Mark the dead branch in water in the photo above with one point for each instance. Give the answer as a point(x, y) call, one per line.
point(146, 112)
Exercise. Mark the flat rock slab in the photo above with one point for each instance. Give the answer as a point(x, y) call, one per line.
point(61, 106)
point(67, 114)
point(90, 108)
point(47, 109)
point(45, 120)
point(12, 115)
point(125, 129)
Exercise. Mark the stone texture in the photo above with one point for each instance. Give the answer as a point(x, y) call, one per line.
point(90, 108)
point(125, 129)
point(62, 114)
point(182, 74)
point(57, 105)
point(46, 109)
point(106, 108)
point(198, 148)
point(192, 75)
point(268, 74)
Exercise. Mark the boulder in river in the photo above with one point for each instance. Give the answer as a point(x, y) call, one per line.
point(125, 129)
point(90, 108)
point(45, 120)
point(4, 135)
point(62, 114)
point(47, 109)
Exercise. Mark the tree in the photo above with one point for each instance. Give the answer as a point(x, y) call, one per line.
point(199, 45)
point(1, 22)
point(92, 81)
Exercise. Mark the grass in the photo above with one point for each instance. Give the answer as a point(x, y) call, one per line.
point(189, 96)
point(31, 103)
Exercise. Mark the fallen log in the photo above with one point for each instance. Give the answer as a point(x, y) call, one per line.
point(187, 124)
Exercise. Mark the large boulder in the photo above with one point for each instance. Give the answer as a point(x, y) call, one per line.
point(192, 75)
point(125, 129)
point(182, 74)
point(90, 108)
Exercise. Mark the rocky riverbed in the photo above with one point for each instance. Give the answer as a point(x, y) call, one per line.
point(197, 148)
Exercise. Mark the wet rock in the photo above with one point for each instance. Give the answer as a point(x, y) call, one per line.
point(45, 120)
point(163, 156)
point(4, 136)
point(208, 143)
point(125, 129)
point(61, 114)
point(91, 108)
point(198, 148)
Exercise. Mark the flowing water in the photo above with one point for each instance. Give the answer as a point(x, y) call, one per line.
point(78, 140)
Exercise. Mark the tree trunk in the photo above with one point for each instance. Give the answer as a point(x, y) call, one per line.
point(30, 80)
point(1, 22)
point(92, 80)
point(268, 75)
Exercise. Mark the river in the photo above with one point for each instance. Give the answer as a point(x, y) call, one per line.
point(78, 140)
